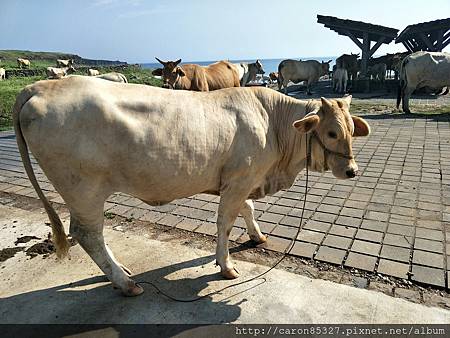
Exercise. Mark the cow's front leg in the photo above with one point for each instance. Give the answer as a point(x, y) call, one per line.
point(229, 208)
point(248, 213)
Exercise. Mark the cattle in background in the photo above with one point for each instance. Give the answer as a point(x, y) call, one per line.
point(93, 72)
point(159, 145)
point(350, 63)
point(222, 74)
point(340, 78)
point(2, 74)
point(377, 71)
point(59, 73)
point(64, 63)
point(298, 71)
point(248, 71)
point(392, 62)
point(273, 76)
point(422, 69)
point(23, 63)
point(113, 76)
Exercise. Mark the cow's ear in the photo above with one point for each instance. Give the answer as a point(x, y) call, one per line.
point(307, 124)
point(180, 71)
point(157, 72)
point(362, 128)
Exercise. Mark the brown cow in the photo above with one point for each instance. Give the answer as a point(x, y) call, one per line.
point(273, 76)
point(218, 75)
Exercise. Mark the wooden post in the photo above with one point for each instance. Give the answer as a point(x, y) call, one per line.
point(365, 53)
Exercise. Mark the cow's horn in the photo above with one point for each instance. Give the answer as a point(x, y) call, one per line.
point(161, 62)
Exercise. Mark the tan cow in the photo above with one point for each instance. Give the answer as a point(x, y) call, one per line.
point(23, 63)
point(93, 72)
point(2, 74)
point(422, 69)
point(298, 71)
point(59, 73)
point(64, 63)
point(159, 145)
point(113, 76)
point(350, 63)
point(222, 74)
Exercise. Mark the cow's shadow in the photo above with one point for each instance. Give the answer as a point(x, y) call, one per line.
point(92, 301)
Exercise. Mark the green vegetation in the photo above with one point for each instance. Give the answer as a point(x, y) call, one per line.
point(41, 60)
point(359, 108)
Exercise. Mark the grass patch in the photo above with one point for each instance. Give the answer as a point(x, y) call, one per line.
point(381, 108)
point(12, 86)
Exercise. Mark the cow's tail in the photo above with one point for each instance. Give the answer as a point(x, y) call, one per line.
point(280, 75)
point(402, 83)
point(59, 236)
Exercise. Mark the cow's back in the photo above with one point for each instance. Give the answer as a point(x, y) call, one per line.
point(427, 69)
point(297, 71)
point(222, 74)
point(135, 136)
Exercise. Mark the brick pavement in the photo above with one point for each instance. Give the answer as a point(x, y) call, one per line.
point(394, 219)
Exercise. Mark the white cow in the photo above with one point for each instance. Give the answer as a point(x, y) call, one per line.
point(59, 73)
point(64, 63)
point(159, 145)
point(340, 79)
point(93, 72)
point(422, 69)
point(113, 76)
point(298, 71)
point(248, 71)
point(2, 74)
point(23, 63)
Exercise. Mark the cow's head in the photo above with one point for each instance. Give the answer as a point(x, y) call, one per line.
point(259, 67)
point(325, 68)
point(331, 129)
point(170, 73)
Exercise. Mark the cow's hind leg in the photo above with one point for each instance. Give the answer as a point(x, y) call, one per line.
point(90, 236)
point(247, 212)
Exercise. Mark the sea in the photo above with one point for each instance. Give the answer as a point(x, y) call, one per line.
point(269, 65)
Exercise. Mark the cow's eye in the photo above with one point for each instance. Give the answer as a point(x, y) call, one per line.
point(332, 134)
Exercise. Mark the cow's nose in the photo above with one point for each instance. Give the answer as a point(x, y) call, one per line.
point(350, 173)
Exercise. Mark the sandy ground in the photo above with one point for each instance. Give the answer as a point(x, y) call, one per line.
point(42, 289)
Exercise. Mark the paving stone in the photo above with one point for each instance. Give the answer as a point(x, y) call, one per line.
point(427, 275)
point(235, 234)
point(367, 235)
point(391, 268)
point(265, 227)
point(311, 236)
point(374, 225)
point(400, 229)
point(291, 221)
point(429, 234)
point(270, 217)
point(284, 231)
point(356, 213)
point(348, 221)
point(303, 249)
point(428, 245)
point(428, 259)
point(337, 242)
point(170, 220)
point(330, 255)
point(366, 247)
point(207, 228)
point(324, 217)
point(398, 240)
point(395, 253)
point(275, 244)
point(317, 226)
point(376, 215)
point(189, 224)
point(151, 216)
point(359, 261)
point(344, 231)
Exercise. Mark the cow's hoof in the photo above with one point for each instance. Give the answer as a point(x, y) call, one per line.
point(230, 273)
point(259, 240)
point(133, 290)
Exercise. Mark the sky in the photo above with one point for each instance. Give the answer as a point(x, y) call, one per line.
point(197, 30)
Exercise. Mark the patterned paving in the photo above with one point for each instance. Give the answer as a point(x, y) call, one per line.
point(394, 219)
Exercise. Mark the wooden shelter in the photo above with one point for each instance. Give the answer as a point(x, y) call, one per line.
point(362, 34)
point(431, 36)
